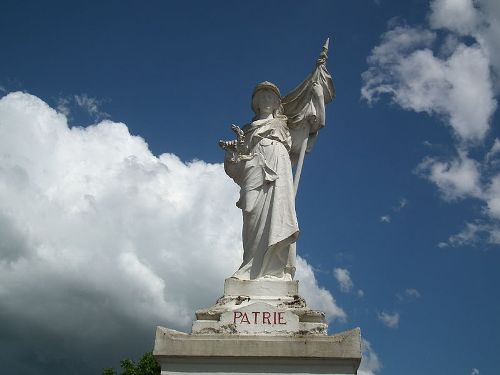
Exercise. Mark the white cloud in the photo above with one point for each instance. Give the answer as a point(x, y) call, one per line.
point(390, 320)
point(91, 105)
point(63, 105)
point(460, 16)
point(83, 102)
point(370, 363)
point(458, 178)
point(456, 82)
point(343, 277)
point(479, 19)
point(488, 35)
point(457, 87)
point(385, 219)
point(360, 293)
point(403, 202)
point(98, 233)
point(409, 294)
point(475, 371)
point(463, 177)
point(317, 297)
point(454, 75)
point(492, 196)
point(495, 149)
point(427, 143)
point(412, 292)
point(473, 234)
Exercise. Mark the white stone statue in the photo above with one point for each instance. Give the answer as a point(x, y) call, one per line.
point(260, 161)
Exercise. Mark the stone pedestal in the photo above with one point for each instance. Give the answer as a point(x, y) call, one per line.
point(181, 353)
point(258, 327)
point(260, 307)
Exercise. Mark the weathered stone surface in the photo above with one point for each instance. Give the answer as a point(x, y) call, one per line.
point(179, 352)
point(261, 318)
point(170, 342)
point(267, 297)
point(260, 288)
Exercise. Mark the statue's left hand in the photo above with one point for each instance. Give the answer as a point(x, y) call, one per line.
point(228, 145)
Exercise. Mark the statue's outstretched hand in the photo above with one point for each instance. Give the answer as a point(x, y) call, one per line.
point(237, 147)
point(228, 145)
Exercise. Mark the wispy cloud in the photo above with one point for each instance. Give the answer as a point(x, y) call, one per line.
point(63, 105)
point(455, 179)
point(473, 234)
point(449, 69)
point(412, 292)
point(370, 362)
point(402, 203)
point(390, 320)
point(385, 219)
point(91, 105)
point(343, 277)
point(494, 151)
point(475, 371)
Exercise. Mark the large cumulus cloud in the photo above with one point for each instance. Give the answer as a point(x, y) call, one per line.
point(100, 241)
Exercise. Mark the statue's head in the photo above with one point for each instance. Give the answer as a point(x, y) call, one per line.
point(266, 97)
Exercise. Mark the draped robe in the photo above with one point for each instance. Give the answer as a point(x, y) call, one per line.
point(267, 200)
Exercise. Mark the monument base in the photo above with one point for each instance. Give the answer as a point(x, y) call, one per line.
point(258, 327)
point(260, 307)
point(181, 353)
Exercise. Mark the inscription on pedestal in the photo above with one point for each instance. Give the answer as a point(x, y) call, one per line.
point(260, 317)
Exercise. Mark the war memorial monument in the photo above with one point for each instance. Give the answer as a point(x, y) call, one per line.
point(261, 325)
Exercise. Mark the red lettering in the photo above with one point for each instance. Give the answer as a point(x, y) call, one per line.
point(244, 319)
point(236, 315)
point(265, 317)
point(255, 315)
point(281, 318)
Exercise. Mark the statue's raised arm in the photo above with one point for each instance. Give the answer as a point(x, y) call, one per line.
point(305, 108)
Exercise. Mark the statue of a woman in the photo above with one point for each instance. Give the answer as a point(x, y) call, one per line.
point(260, 162)
point(267, 197)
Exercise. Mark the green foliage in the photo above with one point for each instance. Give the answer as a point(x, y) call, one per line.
point(147, 365)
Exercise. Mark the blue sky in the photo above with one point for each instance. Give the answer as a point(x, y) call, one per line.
point(116, 216)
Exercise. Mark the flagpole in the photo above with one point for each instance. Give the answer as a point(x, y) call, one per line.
point(300, 163)
point(306, 130)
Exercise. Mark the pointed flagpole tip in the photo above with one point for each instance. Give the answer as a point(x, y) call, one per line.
point(327, 42)
point(324, 53)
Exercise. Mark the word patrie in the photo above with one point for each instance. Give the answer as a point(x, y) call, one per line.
point(259, 317)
